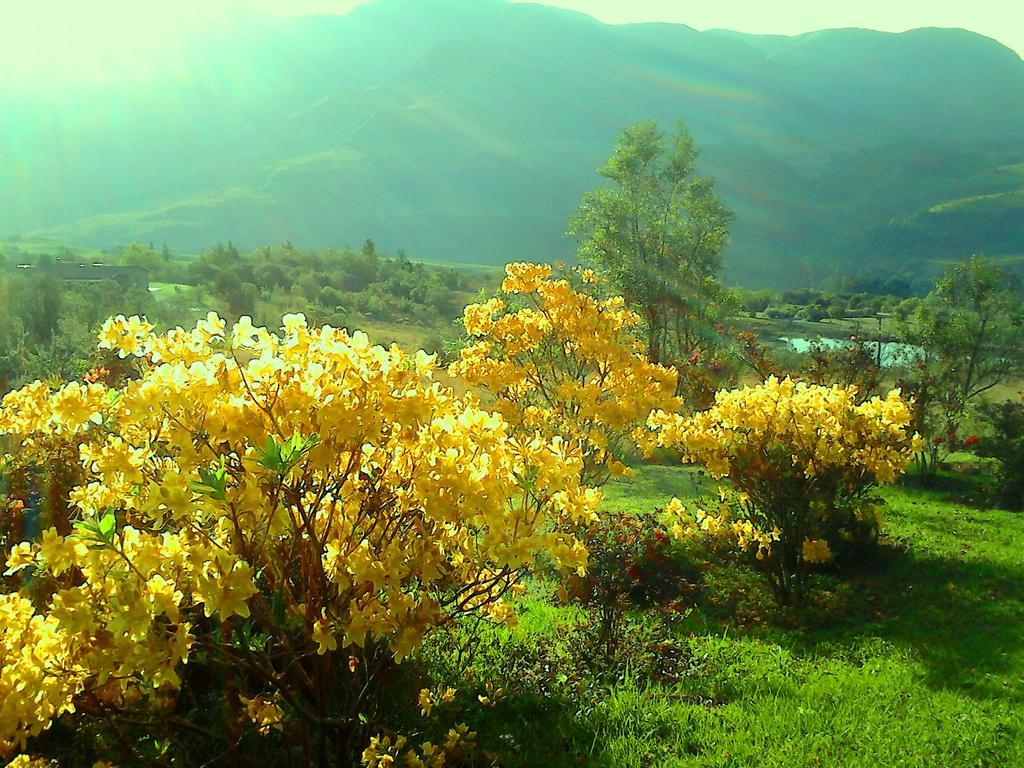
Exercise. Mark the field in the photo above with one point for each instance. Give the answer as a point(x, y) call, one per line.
point(916, 660)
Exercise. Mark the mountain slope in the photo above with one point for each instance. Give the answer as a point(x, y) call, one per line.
point(466, 130)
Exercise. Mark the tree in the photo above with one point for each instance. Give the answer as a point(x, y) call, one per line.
point(658, 237)
point(144, 256)
point(969, 329)
point(1005, 444)
point(39, 307)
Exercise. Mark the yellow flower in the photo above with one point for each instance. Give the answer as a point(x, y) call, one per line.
point(22, 556)
point(815, 550)
point(227, 593)
point(24, 761)
point(56, 552)
point(294, 324)
point(791, 452)
point(426, 703)
point(566, 364)
point(125, 335)
point(244, 333)
point(212, 327)
point(324, 637)
point(265, 714)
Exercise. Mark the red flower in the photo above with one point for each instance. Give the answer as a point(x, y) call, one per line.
point(659, 535)
point(972, 440)
point(938, 440)
point(633, 571)
point(96, 374)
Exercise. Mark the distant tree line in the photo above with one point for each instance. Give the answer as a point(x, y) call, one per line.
point(816, 305)
point(48, 328)
point(332, 285)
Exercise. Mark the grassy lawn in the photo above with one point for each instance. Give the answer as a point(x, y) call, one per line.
point(409, 336)
point(165, 291)
point(917, 659)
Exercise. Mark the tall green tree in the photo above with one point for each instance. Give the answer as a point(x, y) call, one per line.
point(657, 234)
point(970, 332)
point(144, 256)
point(39, 306)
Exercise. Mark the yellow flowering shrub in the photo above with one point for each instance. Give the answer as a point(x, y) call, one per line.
point(559, 361)
point(294, 511)
point(802, 460)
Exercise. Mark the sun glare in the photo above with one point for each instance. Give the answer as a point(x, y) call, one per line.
point(49, 42)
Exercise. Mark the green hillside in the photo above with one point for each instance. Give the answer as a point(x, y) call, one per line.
point(463, 130)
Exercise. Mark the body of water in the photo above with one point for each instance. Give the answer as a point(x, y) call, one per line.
point(893, 352)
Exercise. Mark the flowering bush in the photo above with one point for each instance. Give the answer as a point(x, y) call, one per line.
point(387, 750)
point(564, 363)
point(288, 514)
point(38, 481)
point(630, 563)
point(802, 459)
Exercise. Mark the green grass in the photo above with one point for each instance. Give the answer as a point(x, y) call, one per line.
point(653, 486)
point(409, 336)
point(165, 291)
point(917, 659)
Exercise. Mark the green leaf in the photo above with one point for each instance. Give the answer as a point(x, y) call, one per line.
point(281, 458)
point(270, 455)
point(99, 532)
point(106, 524)
point(213, 482)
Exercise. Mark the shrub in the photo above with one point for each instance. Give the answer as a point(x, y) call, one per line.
point(630, 564)
point(288, 515)
point(802, 459)
point(812, 314)
point(780, 313)
point(1006, 445)
point(564, 363)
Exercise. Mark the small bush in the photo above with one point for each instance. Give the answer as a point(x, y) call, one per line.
point(632, 563)
point(780, 313)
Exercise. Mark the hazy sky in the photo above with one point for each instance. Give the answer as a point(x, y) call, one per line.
point(70, 36)
point(1001, 19)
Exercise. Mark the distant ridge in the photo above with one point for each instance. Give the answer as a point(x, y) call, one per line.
point(466, 130)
